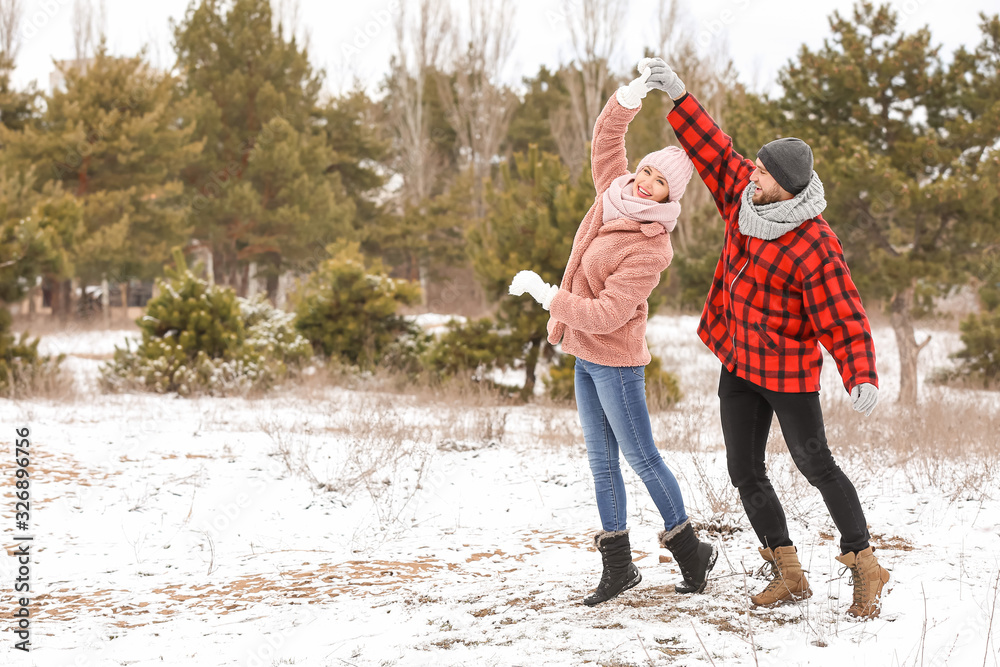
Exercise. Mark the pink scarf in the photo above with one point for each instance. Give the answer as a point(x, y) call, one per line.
point(619, 202)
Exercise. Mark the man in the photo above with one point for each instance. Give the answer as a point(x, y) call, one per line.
point(780, 289)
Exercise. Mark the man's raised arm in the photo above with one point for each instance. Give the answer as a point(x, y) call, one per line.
point(724, 171)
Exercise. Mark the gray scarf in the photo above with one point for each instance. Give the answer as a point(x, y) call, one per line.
point(769, 221)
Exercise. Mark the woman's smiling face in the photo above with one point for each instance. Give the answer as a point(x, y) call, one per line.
point(650, 184)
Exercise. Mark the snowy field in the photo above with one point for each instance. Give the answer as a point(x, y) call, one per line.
point(340, 527)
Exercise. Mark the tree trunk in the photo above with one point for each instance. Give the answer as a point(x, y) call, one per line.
point(124, 289)
point(232, 278)
point(239, 281)
point(210, 267)
point(901, 316)
point(530, 363)
point(424, 274)
point(272, 287)
point(52, 286)
point(35, 289)
point(252, 280)
point(105, 302)
point(62, 288)
point(281, 294)
point(74, 300)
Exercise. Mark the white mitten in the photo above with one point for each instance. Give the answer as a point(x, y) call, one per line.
point(630, 96)
point(532, 283)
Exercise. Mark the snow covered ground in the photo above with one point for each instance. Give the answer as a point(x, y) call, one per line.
point(361, 528)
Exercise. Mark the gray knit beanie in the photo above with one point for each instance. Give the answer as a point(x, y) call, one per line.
point(790, 161)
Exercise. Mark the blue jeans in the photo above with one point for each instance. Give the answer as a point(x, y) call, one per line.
point(612, 405)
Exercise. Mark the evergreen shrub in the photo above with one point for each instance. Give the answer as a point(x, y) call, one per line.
point(199, 338)
point(349, 311)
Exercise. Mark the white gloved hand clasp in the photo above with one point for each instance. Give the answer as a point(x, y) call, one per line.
point(662, 77)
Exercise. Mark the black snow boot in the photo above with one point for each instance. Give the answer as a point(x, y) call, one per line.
point(694, 558)
point(620, 573)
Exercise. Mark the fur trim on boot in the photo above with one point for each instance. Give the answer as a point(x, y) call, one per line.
point(620, 573)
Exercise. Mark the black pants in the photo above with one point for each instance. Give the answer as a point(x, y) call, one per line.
point(746, 419)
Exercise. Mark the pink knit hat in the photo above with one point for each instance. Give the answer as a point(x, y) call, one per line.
point(675, 165)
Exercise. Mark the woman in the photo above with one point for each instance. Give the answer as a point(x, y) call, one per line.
point(599, 313)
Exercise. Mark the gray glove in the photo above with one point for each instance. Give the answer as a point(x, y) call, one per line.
point(662, 77)
point(864, 397)
point(532, 283)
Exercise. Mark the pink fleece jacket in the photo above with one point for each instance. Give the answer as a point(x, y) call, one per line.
point(600, 310)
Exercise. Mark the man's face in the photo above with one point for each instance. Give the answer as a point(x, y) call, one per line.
point(768, 190)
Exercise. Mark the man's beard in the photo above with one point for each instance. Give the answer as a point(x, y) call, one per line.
point(761, 197)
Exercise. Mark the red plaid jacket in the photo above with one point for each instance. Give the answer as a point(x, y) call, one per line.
point(773, 302)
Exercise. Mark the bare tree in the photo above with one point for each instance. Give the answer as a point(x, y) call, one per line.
point(668, 25)
point(11, 13)
point(478, 105)
point(288, 23)
point(710, 76)
point(418, 53)
point(88, 27)
point(595, 31)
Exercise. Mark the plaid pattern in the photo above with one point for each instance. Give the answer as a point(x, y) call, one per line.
point(773, 302)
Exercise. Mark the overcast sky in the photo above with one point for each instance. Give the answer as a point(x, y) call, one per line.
point(351, 38)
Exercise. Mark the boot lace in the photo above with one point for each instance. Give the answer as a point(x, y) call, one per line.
point(777, 582)
point(859, 582)
point(770, 571)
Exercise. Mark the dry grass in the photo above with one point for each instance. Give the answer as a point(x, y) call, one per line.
point(934, 428)
point(556, 427)
point(945, 445)
point(950, 447)
point(383, 450)
point(50, 384)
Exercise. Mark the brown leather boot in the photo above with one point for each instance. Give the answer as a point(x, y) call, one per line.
point(868, 579)
point(788, 580)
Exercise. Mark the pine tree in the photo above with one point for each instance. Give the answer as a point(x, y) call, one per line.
point(351, 127)
point(113, 139)
point(37, 231)
point(904, 196)
point(531, 121)
point(431, 233)
point(975, 75)
point(199, 337)
point(17, 107)
point(348, 310)
point(531, 218)
point(260, 190)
